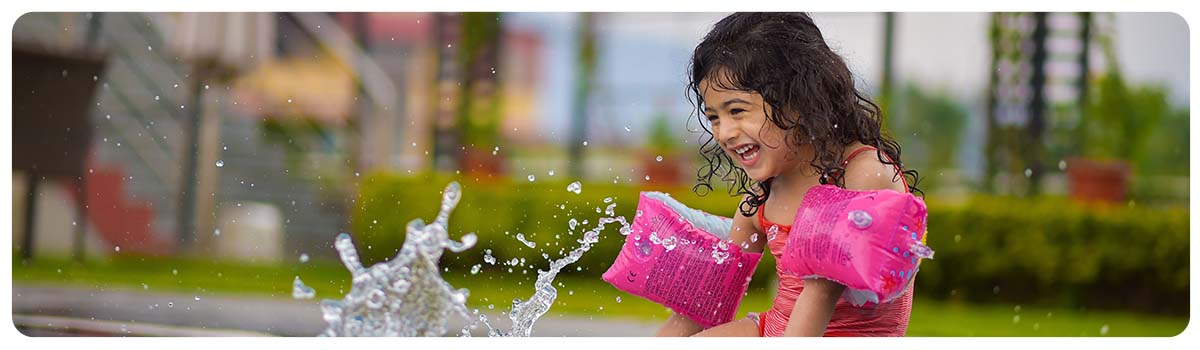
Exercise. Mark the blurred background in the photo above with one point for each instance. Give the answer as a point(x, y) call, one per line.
point(173, 172)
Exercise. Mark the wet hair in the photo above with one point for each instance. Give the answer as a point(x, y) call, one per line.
point(784, 58)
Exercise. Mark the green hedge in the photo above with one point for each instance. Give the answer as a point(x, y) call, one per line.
point(1052, 251)
point(1045, 251)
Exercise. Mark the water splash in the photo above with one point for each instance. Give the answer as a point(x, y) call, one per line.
point(406, 296)
point(527, 243)
point(301, 291)
point(525, 313)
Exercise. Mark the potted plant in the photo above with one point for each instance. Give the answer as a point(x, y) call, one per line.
point(479, 108)
point(481, 133)
point(1113, 134)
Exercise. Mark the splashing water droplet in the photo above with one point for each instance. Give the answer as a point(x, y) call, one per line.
point(521, 237)
point(488, 258)
point(117, 248)
point(669, 243)
point(575, 187)
point(303, 258)
point(531, 177)
point(659, 158)
point(217, 232)
point(301, 291)
point(720, 256)
point(1104, 330)
point(1028, 172)
point(220, 163)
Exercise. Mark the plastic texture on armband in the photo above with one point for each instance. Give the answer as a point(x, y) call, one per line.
point(869, 241)
point(681, 258)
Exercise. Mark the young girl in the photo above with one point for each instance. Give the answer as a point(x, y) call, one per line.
point(784, 116)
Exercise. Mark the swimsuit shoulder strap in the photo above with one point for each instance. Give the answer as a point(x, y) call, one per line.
point(762, 219)
point(868, 148)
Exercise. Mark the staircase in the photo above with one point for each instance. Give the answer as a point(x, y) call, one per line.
point(135, 167)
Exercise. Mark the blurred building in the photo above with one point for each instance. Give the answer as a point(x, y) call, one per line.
point(201, 120)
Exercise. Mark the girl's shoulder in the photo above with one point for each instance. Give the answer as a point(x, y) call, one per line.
point(865, 171)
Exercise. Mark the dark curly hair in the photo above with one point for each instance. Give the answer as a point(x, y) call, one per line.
point(784, 58)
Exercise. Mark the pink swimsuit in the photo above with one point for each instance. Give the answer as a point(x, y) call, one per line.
point(883, 320)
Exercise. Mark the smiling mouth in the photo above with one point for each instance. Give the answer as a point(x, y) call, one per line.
point(748, 154)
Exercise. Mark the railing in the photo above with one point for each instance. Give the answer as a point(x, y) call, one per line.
point(156, 147)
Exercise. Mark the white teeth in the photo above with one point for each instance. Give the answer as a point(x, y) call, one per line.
point(744, 152)
point(747, 156)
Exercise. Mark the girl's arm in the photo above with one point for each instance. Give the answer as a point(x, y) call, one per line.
point(740, 232)
point(814, 306)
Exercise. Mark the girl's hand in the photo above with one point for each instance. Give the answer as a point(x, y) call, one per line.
point(679, 326)
point(813, 308)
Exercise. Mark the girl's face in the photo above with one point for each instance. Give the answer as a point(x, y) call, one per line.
point(739, 125)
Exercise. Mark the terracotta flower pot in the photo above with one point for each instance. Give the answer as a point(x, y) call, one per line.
point(662, 174)
point(481, 162)
point(1092, 180)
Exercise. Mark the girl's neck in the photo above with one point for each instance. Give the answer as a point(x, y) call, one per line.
point(794, 183)
point(797, 180)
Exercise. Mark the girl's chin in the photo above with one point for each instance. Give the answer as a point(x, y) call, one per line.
point(759, 174)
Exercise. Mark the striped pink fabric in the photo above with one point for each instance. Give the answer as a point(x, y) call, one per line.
point(884, 320)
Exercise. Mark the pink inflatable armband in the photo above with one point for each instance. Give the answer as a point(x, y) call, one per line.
point(679, 257)
point(869, 241)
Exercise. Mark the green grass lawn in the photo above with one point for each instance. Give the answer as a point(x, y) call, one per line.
point(580, 297)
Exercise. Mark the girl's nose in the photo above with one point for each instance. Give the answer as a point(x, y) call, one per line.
point(728, 132)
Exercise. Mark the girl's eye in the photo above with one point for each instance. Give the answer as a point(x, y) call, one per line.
point(712, 118)
point(736, 111)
